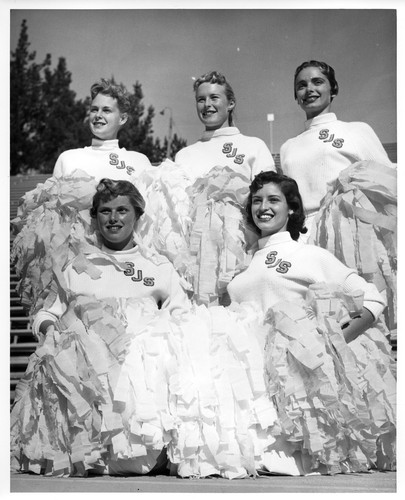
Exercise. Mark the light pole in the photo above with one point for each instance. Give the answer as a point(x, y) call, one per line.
point(169, 137)
point(270, 119)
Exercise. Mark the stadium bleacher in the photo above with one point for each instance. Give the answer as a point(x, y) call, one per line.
point(22, 342)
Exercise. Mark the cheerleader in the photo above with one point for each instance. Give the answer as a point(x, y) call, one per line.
point(109, 112)
point(327, 146)
point(328, 363)
point(219, 167)
point(222, 144)
point(347, 182)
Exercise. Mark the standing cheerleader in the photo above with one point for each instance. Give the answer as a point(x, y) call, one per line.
point(109, 112)
point(220, 167)
point(347, 182)
point(222, 144)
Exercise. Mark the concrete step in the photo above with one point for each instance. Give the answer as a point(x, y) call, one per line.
point(19, 360)
point(19, 319)
point(15, 377)
point(20, 332)
point(23, 347)
point(16, 308)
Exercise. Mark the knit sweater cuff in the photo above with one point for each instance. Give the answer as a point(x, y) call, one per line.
point(373, 300)
point(39, 319)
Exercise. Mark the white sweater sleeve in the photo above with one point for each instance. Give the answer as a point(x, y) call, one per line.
point(373, 300)
point(176, 298)
point(143, 162)
point(58, 170)
point(180, 155)
point(264, 160)
point(51, 314)
point(371, 146)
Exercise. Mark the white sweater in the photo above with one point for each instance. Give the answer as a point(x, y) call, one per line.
point(328, 146)
point(102, 159)
point(282, 269)
point(138, 278)
point(225, 147)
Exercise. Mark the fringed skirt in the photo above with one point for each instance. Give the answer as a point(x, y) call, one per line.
point(222, 391)
point(357, 222)
point(122, 381)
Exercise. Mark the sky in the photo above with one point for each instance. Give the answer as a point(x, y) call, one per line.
point(256, 48)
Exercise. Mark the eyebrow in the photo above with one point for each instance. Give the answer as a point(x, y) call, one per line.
point(302, 80)
point(106, 106)
point(258, 196)
point(119, 206)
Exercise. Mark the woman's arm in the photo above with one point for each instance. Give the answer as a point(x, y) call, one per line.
point(371, 146)
point(374, 302)
point(45, 319)
point(263, 159)
point(358, 325)
point(175, 297)
point(374, 305)
point(44, 326)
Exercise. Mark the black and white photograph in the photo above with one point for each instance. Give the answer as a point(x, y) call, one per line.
point(203, 247)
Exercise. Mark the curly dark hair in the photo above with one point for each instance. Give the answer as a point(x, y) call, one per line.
point(327, 70)
point(289, 187)
point(109, 189)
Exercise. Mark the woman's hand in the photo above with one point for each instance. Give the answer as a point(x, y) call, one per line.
point(47, 332)
point(358, 325)
point(46, 327)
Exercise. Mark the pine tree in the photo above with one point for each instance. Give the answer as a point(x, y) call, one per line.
point(25, 105)
point(137, 134)
point(46, 118)
point(176, 144)
point(64, 117)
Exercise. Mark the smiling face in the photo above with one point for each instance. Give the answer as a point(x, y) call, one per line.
point(105, 117)
point(116, 221)
point(213, 106)
point(270, 210)
point(313, 91)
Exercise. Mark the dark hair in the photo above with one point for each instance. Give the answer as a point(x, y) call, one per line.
point(219, 78)
point(327, 70)
point(288, 186)
point(109, 189)
point(119, 92)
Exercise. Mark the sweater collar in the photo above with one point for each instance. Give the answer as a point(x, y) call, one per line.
point(220, 132)
point(119, 252)
point(320, 120)
point(100, 145)
point(274, 239)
